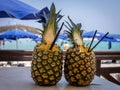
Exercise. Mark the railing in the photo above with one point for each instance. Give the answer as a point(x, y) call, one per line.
point(15, 55)
point(106, 71)
point(26, 55)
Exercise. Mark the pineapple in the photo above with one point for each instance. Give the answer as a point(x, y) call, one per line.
point(79, 67)
point(46, 67)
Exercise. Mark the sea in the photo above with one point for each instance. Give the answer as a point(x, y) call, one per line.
point(29, 44)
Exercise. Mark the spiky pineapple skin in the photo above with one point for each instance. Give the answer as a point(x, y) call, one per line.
point(46, 67)
point(79, 67)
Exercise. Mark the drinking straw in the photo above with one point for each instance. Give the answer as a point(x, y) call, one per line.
point(92, 40)
point(56, 37)
point(99, 41)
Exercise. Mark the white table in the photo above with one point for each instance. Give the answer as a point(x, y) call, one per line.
point(19, 78)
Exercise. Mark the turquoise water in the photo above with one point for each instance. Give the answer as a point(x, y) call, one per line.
point(100, 46)
point(21, 44)
point(28, 44)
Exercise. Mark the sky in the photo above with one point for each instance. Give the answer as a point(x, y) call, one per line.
point(101, 15)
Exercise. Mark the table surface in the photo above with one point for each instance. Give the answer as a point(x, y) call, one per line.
point(19, 78)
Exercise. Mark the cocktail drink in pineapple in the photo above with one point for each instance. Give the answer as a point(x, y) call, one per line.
point(79, 67)
point(46, 68)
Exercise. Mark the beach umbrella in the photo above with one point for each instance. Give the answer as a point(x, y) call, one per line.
point(17, 34)
point(99, 36)
point(19, 10)
point(63, 36)
point(91, 33)
point(110, 39)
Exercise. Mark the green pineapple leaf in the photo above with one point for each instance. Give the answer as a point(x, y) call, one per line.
point(75, 32)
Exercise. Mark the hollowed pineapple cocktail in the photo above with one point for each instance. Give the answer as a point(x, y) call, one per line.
point(79, 67)
point(46, 68)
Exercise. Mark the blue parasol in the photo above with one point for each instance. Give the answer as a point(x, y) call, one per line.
point(110, 39)
point(99, 35)
point(91, 33)
point(19, 10)
point(63, 36)
point(16, 34)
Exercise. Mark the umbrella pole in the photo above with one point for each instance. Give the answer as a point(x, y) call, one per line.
point(17, 49)
point(0, 44)
point(16, 43)
point(109, 45)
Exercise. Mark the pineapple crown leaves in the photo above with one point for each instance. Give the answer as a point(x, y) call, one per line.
point(51, 17)
point(50, 24)
point(74, 32)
